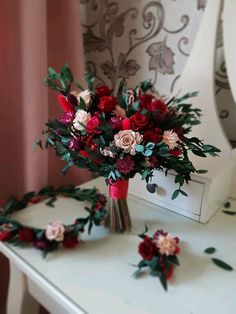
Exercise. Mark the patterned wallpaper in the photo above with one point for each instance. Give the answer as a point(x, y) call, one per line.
point(144, 39)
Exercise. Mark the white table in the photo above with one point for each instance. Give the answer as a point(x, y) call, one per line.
point(97, 277)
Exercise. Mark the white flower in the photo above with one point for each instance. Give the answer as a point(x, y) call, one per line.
point(81, 119)
point(86, 96)
point(55, 231)
point(127, 140)
point(166, 244)
point(170, 138)
point(107, 152)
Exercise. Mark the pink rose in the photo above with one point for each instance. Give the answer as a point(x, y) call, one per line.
point(127, 140)
point(167, 245)
point(55, 231)
point(171, 139)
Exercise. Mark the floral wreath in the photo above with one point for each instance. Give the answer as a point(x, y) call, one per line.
point(55, 234)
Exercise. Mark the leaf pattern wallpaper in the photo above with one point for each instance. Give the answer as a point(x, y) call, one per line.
point(146, 39)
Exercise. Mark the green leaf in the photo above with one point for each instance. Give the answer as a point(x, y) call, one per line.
point(202, 171)
point(222, 264)
point(210, 250)
point(183, 193)
point(163, 281)
point(227, 205)
point(51, 202)
point(228, 212)
point(175, 194)
point(173, 259)
point(179, 179)
point(198, 153)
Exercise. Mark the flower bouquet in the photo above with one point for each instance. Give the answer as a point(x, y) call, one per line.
point(116, 135)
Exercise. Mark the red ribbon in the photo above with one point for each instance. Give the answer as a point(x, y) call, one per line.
point(119, 189)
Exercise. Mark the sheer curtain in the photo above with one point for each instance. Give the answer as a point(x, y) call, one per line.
point(34, 34)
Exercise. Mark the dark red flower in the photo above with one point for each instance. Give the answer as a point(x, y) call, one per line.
point(92, 125)
point(5, 235)
point(125, 165)
point(153, 162)
point(66, 106)
point(42, 244)
point(158, 106)
point(145, 100)
point(179, 130)
point(115, 123)
point(175, 152)
point(103, 91)
point(35, 199)
point(152, 136)
point(147, 249)
point(138, 121)
point(75, 144)
point(168, 272)
point(107, 103)
point(26, 235)
point(70, 241)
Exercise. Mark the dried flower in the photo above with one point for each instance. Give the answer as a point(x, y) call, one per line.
point(55, 231)
point(166, 245)
point(171, 139)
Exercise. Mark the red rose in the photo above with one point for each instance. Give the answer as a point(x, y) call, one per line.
point(70, 241)
point(106, 103)
point(152, 136)
point(26, 235)
point(92, 125)
point(138, 121)
point(147, 249)
point(66, 106)
point(145, 100)
point(35, 199)
point(158, 106)
point(5, 235)
point(103, 91)
point(126, 124)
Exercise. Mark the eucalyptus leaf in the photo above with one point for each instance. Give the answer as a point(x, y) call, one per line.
point(222, 264)
point(210, 250)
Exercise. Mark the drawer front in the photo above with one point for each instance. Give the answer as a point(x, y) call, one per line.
point(166, 186)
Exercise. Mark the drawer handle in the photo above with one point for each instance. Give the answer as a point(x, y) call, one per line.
point(151, 187)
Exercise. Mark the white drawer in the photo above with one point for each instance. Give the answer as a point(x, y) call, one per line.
point(189, 206)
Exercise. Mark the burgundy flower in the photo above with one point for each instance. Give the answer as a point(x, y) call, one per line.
point(67, 117)
point(158, 233)
point(5, 235)
point(153, 136)
point(35, 199)
point(26, 235)
point(92, 125)
point(145, 100)
point(103, 91)
point(158, 106)
point(147, 248)
point(125, 165)
point(107, 103)
point(153, 162)
point(138, 121)
point(42, 244)
point(70, 241)
point(175, 152)
point(115, 123)
point(75, 144)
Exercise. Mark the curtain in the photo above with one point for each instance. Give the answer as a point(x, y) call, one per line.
point(34, 34)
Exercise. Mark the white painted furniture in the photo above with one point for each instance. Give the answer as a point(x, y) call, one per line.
point(207, 192)
point(96, 278)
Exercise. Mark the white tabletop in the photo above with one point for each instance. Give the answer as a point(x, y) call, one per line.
point(97, 277)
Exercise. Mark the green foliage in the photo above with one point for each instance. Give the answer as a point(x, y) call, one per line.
point(60, 81)
point(222, 264)
point(210, 250)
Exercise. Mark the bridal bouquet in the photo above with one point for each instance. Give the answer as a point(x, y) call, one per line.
point(117, 135)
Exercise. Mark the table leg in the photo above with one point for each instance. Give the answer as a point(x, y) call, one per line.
point(19, 300)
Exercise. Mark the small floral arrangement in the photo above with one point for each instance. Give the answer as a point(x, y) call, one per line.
point(55, 234)
point(159, 255)
point(117, 135)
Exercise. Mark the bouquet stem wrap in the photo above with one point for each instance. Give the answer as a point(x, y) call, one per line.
point(118, 218)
